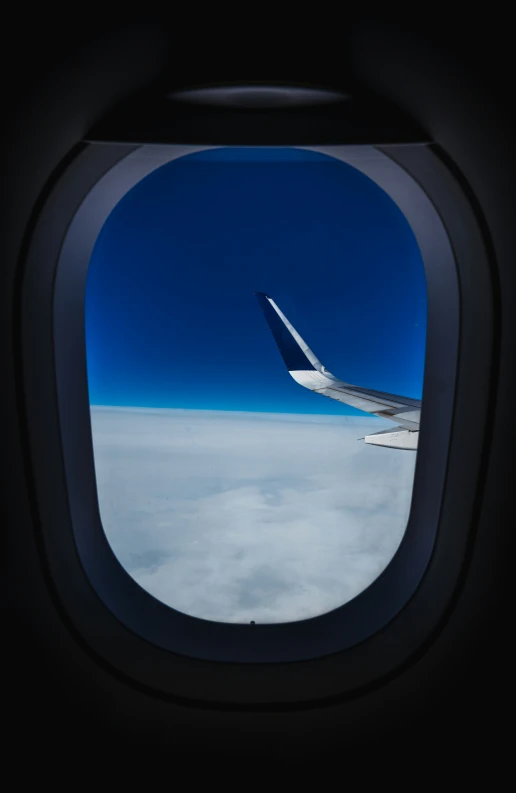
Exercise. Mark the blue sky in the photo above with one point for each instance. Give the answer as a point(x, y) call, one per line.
point(171, 318)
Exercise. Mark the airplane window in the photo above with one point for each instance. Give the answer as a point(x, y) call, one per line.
point(255, 339)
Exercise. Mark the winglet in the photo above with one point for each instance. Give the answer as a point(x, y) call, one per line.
point(295, 352)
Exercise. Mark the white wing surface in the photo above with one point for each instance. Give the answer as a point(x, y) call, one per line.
point(307, 370)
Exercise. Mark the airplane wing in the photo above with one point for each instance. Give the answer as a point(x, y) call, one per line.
point(307, 370)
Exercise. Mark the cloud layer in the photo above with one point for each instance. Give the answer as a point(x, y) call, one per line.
point(249, 516)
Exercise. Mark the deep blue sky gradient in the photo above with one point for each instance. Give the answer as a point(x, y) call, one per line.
point(171, 318)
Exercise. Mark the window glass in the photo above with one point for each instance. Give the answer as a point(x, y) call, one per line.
point(227, 489)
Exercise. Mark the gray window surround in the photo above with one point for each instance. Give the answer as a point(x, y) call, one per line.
point(150, 642)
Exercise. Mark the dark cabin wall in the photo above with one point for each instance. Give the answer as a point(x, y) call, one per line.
point(55, 88)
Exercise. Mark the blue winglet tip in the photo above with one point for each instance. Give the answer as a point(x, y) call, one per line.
point(291, 352)
point(262, 300)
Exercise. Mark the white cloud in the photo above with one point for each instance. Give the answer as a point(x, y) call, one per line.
point(241, 516)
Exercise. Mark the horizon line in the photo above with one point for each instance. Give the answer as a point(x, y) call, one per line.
point(361, 415)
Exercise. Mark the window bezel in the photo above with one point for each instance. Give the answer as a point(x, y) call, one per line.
point(101, 597)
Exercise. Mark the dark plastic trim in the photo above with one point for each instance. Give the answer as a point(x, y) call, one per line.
point(142, 638)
